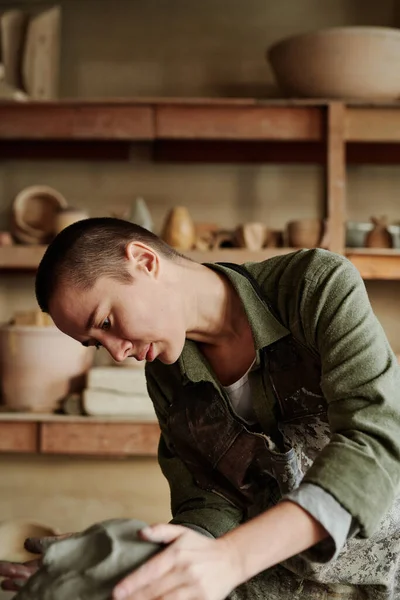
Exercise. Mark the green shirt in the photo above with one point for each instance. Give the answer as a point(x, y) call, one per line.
point(321, 299)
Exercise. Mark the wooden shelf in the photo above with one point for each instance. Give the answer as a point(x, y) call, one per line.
point(372, 263)
point(26, 258)
point(376, 263)
point(330, 133)
point(149, 119)
point(79, 436)
point(20, 258)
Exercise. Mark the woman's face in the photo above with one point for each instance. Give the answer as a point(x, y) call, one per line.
point(141, 319)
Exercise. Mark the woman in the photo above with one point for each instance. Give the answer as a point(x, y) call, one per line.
point(278, 400)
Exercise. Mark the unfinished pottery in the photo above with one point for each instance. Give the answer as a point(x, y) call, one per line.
point(12, 33)
point(379, 236)
point(39, 366)
point(68, 216)
point(251, 236)
point(40, 64)
point(88, 565)
point(179, 229)
point(305, 233)
point(34, 213)
point(340, 62)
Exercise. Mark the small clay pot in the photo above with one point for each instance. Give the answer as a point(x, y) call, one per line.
point(179, 230)
point(305, 233)
point(67, 216)
point(273, 239)
point(251, 236)
point(379, 236)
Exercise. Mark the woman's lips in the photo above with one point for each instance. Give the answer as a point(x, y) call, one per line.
point(150, 354)
point(147, 354)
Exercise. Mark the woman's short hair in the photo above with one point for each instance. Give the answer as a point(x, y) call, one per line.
point(89, 249)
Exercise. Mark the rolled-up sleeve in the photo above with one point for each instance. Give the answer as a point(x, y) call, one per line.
point(360, 380)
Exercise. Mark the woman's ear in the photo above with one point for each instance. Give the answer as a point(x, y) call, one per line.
point(142, 257)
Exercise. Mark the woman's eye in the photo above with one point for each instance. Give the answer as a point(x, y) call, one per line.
point(106, 324)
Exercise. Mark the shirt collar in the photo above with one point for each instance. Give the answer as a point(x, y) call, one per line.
point(265, 327)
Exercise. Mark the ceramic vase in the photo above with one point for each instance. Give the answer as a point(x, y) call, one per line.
point(305, 233)
point(179, 230)
point(379, 236)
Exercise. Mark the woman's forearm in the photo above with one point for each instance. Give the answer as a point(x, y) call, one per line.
point(279, 533)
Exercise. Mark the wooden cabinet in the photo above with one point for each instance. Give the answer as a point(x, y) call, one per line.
point(277, 130)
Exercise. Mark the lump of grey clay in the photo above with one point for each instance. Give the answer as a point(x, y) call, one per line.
point(89, 564)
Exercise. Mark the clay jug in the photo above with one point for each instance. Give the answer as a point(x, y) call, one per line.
point(379, 236)
point(179, 230)
point(307, 233)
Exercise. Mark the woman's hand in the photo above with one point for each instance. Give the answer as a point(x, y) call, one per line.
point(191, 566)
point(17, 574)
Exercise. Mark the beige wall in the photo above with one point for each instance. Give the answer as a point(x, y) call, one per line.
point(174, 48)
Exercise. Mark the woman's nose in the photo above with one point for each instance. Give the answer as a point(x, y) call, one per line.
point(119, 349)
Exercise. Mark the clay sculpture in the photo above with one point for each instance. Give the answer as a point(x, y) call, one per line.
point(88, 565)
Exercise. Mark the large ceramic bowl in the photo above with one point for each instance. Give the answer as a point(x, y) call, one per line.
point(360, 63)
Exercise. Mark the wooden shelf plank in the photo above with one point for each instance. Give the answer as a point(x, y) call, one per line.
point(20, 257)
point(139, 119)
point(62, 121)
point(239, 123)
point(236, 255)
point(376, 264)
point(19, 436)
point(372, 263)
point(27, 258)
point(99, 439)
point(372, 124)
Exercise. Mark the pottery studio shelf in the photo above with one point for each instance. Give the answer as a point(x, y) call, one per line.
point(372, 263)
point(31, 433)
point(332, 134)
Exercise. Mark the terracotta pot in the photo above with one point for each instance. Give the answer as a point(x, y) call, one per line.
point(379, 236)
point(305, 233)
point(340, 62)
point(179, 230)
point(39, 366)
point(68, 216)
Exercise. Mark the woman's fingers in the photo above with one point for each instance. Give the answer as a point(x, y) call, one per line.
point(13, 585)
point(15, 570)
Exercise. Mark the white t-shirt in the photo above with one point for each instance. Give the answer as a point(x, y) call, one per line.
point(239, 394)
